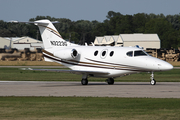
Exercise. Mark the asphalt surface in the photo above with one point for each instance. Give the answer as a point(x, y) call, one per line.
point(93, 89)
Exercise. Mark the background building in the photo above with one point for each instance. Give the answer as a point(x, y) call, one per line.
point(5, 43)
point(143, 40)
point(20, 43)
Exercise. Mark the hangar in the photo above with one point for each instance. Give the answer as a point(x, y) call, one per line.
point(108, 40)
point(27, 42)
point(20, 43)
point(5, 43)
point(143, 40)
point(98, 41)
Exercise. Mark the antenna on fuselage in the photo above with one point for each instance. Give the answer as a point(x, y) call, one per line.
point(138, 46)
point(92, 44)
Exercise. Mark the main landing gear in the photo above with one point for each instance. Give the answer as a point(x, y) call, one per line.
point(153, 81)
point(84, 80)
point(110, 81)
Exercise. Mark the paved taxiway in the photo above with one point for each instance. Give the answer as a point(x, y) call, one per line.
point(94, 89)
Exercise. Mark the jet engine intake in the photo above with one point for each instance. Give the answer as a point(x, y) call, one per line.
point(67, 54)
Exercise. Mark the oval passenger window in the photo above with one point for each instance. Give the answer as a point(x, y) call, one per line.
point(95, 53)
point(111, 53)
point(103, 53)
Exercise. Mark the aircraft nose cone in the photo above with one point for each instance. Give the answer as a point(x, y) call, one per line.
point(169, 66)
point(165, 66)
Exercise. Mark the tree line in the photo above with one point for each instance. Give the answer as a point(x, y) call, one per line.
point(81, 31)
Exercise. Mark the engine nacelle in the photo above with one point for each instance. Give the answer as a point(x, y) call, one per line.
point(67, 54)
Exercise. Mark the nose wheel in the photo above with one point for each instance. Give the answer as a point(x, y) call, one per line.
point(153, 81)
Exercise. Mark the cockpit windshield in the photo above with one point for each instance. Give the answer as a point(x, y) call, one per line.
point(136, 53)
point(140, 53)
point(130, 53)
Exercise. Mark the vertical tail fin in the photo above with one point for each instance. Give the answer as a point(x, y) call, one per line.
point(50, 36)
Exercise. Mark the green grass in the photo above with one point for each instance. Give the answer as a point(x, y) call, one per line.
point(14, 74)
point(70, 108)
point(26, 108)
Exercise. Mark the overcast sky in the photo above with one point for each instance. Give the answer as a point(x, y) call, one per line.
point(74, 10)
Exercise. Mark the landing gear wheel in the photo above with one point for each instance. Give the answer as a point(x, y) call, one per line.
point(84, 81)
point(110, 81)
point(153, 82)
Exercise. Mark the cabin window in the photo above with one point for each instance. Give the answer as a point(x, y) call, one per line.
point(111, 53)
point(95, 53)
point(139, 53)
point(130, 53)
point(103, 53)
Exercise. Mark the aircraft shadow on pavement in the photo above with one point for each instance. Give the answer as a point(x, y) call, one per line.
point(93, 84)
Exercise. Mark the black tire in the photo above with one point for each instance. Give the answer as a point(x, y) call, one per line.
point(84, 81)
point(110, 81)
point(153, 82)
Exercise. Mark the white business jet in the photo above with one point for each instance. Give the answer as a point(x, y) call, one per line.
point(95, 61)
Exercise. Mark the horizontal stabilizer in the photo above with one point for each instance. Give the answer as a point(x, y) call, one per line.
point(33, 22)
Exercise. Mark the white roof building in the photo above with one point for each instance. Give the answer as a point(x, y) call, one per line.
point(143, 40)
point(98, 40)
point(20, 43)
point(118, 40)
point(26, 39)
point(12, 38)
point(5, 43)
point(107, 40)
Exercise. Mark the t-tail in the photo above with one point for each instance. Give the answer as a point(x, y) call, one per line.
point(50, 36)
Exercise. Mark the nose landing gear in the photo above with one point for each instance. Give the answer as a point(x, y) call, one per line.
point(153, 81)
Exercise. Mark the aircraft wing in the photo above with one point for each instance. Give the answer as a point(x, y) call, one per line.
point(70, 71)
